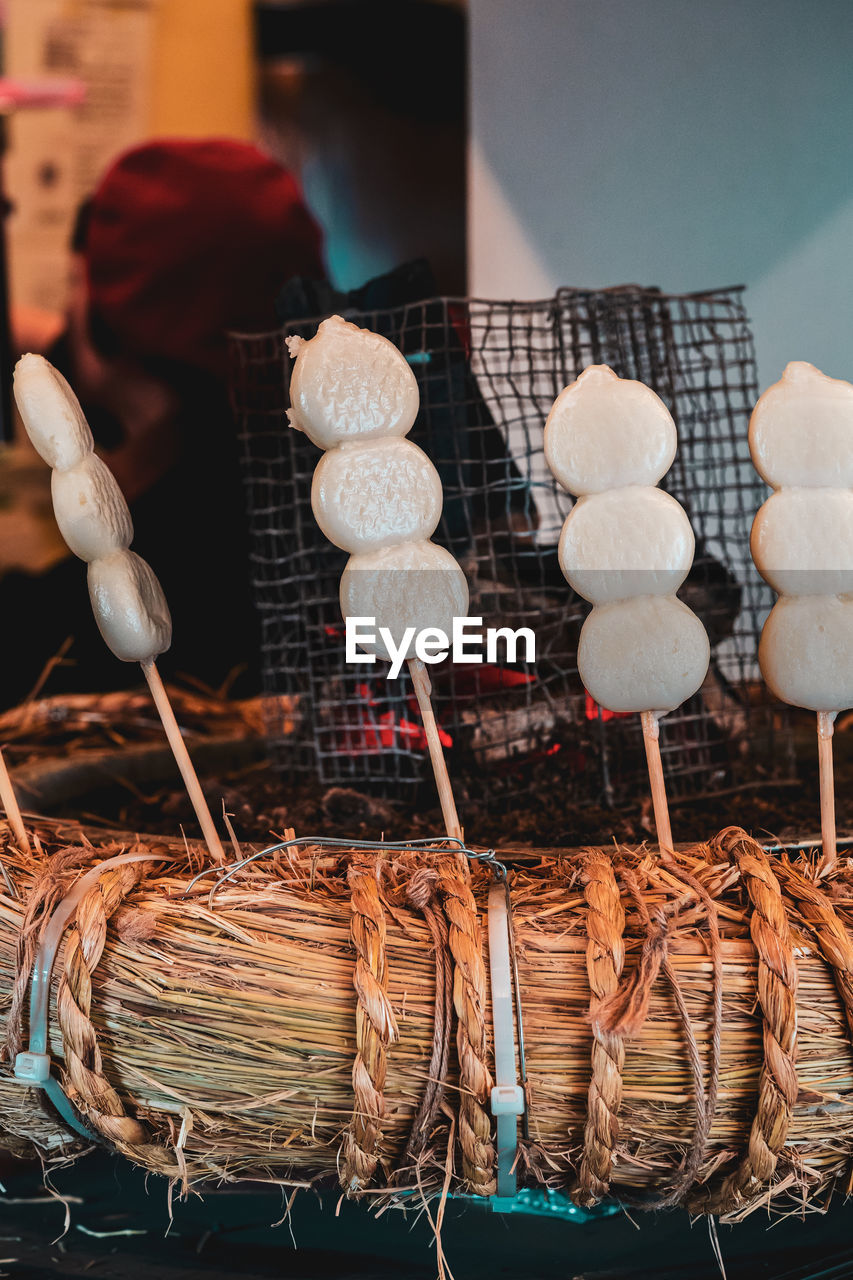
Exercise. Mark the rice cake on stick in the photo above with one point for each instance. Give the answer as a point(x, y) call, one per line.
point(127, 600)
point(60, 434)
point(378, 497)
point(626, 547)
point(801, 442)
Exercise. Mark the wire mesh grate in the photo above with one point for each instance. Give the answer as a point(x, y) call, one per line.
point(488, 373)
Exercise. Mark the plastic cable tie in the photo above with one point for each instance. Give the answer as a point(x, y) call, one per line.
point(34, 1068)
point(507, 1099)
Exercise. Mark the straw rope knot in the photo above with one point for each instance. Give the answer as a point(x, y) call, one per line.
point(421, 888)
point(376, 1029)
point(85, 1081)
point(777, 996)
point(469, 1000)
point(605, 959)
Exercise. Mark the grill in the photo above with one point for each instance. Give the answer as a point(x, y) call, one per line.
point(488, 373)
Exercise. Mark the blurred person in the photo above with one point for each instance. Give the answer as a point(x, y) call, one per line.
point(182, 241)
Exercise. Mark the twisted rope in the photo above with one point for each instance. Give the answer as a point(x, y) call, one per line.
point(376, 1029)
point(469, 1001)
point(421, 892)
point(625, 1011)
point(826, 926)
point(706, 1101)
point(828, 930)
point(777, 996)
point(605, 959)
point(85, 1081)
point(705, 1105)
point(48, 889)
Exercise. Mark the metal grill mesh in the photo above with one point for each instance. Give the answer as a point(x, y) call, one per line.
point(488, 373)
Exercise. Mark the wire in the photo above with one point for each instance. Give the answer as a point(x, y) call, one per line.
point(443, 844)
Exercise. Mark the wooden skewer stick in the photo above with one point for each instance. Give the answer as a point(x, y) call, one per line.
point(651, 738)
point(182, 757)
point(13, 812)
point(825, 730)
point(423, 688)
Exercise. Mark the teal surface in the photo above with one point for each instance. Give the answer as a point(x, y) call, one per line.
point(120, 1228)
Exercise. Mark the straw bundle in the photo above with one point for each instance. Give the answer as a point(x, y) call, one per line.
point(76, 721)
point(687, 1024)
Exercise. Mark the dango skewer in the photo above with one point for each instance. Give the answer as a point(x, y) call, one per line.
point(127, 600)
point(626, 547)
point(377, 496)
point(801, 441)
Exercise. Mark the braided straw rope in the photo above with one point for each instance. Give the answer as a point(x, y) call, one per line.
point(469, 1000)
point(777, 996)
point(85, 1082)
point(605, 958)
point(376, 1029)
point(47, 891)
point(820, 915)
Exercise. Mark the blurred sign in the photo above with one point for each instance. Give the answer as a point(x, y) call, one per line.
point(56, 154)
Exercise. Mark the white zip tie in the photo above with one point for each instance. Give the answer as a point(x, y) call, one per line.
point(508, 1100)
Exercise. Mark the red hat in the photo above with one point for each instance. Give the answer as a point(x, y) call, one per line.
point(187, 238)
